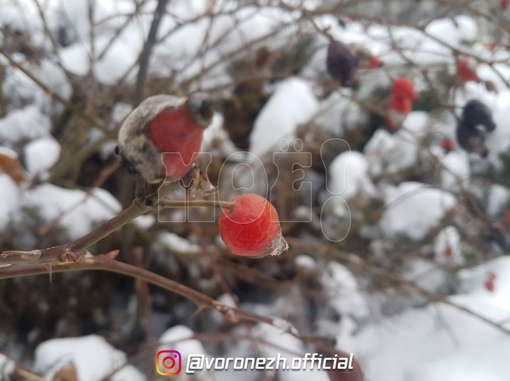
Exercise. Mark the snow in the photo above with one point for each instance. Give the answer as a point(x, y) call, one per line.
point(22, 90)
point(77, 212)
point(292, 103)
point(290, 343)
point(447, 249)
point(92, 357)
point(180, 338)
point(418, 344)
point(456, 32)
point(178, 244)
point(344, 291)
point(305, 262)
point(431, 343)
point(120, 111)
point(16, 15)
point(41, 155)
point(216, 139)
point(456, 172)
point(415, 125)
point(338, 113)
point(426, 274)
point(21, 124)
point(5, 151)
point(412, 210)
point(11, 200)
point(184, 44)
point(7, 367)
point(390, 153)
point(145, 221)
point(118, 60)
point(498, 199)
point(348, 175)
point(75, 16)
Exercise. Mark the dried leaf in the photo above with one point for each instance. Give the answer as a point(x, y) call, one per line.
point(10, 165)
point(66, 373)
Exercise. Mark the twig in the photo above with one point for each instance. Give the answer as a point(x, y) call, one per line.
point(53, 94)
point(197, 203)
point(21, 370)
point(103, 176)
point(147, 50)
point(235, 315)
point(359, 263)
point(70, 251)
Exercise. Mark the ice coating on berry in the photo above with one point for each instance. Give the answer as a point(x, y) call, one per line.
point(252, 228)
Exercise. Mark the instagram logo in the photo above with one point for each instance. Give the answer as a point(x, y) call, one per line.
point(168, 362)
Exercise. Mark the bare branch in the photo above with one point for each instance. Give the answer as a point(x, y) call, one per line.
point(147, 50)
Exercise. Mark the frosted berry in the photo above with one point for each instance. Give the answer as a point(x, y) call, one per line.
point(252, 228)
point(164, 126)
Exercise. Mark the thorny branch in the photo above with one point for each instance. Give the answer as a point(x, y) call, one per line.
point(106, 262)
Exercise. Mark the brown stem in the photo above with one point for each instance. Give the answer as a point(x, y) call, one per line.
point(130, 213)
point(233, 314)
point(197, 203)
point(69, 252)
point(147, 50)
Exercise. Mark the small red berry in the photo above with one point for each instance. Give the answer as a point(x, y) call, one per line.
point(489, 283)
point(466, 70)
point(397, 111)
point(403, 88)
point(447, 144)
point(375, 62)
point(252, 228)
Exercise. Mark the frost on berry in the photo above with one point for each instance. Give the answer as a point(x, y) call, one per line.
point(252, 228)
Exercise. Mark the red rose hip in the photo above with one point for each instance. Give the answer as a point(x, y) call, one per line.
point(168, 127)
point(403, 88)
point(251, 228)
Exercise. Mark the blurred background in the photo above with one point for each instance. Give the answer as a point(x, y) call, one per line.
point(396, 208)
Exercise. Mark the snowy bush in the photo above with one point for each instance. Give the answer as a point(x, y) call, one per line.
point(394, 200)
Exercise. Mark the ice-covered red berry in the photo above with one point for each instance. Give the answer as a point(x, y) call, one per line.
point(251, 227)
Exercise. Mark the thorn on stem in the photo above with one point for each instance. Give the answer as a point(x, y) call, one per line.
point(226, 311)
point(108, 257)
